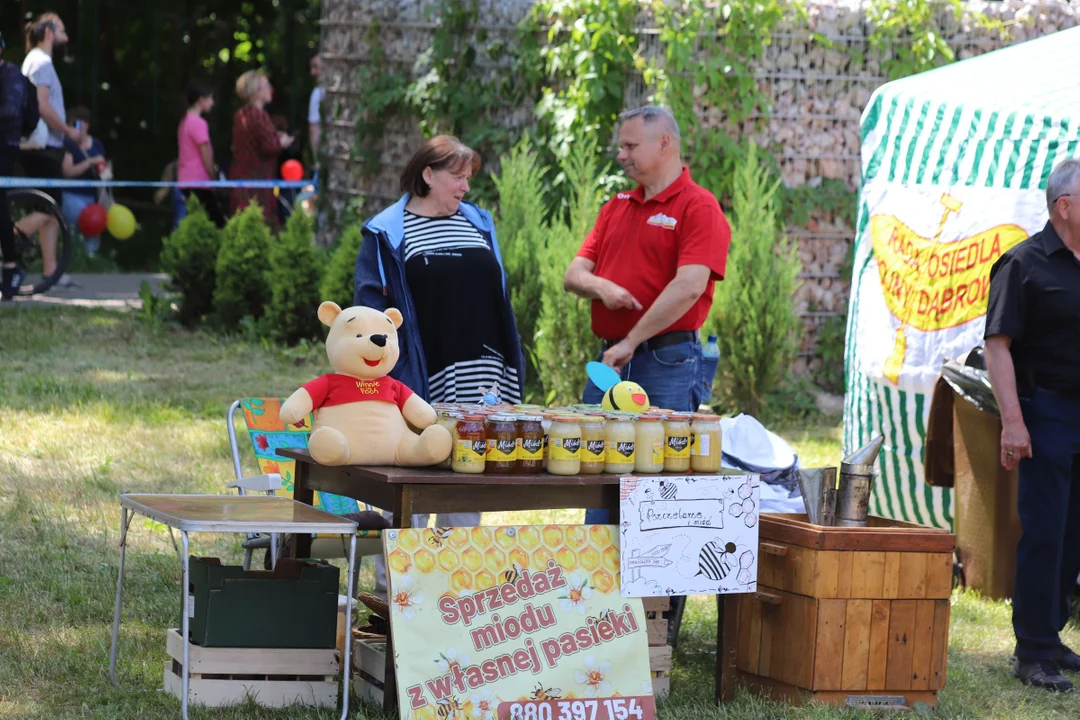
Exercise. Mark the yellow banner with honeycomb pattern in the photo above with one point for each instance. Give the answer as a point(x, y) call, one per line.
point(486, 616)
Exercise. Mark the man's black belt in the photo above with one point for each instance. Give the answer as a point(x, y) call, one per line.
point(1072, 396)
point(659, 341)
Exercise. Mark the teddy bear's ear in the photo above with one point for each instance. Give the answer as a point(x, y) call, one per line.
point(327, 312)
point(395, 316)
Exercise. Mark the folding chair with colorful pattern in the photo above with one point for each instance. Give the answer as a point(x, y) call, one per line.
point(269, 433)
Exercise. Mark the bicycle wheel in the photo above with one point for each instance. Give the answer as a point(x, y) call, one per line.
point(30, 210)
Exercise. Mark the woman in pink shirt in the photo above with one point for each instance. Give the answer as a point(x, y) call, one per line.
point(196, 159)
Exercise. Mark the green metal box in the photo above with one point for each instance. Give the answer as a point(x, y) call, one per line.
point(294, 606)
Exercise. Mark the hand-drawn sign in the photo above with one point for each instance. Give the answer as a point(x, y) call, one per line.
point(654, 557)
point(666, 514)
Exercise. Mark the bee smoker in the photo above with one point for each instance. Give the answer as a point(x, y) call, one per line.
point(856, 481)
point(818, 487)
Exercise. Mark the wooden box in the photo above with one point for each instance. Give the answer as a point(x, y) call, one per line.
point(847, 616)
point(272, 677)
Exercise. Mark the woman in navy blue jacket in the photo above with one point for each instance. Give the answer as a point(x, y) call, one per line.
point(435, 258)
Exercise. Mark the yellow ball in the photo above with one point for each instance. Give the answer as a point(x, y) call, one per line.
point(121, 222)
point(626, 396)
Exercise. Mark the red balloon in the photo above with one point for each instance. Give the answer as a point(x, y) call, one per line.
point(93, 220)
point(292, 170)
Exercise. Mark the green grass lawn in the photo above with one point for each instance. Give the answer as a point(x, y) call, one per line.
point(92, 404)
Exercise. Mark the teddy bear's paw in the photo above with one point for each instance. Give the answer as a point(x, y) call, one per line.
point(329, 447)
point(430, 447)
point(437, 441)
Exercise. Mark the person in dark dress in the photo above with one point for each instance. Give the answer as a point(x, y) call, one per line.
point(434, 256)
point(256, 145)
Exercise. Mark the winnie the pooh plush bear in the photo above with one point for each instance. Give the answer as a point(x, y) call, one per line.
point(361, 412)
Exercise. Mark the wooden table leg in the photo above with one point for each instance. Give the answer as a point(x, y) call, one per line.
point(301, 544)
point(612, 502)
point(403, 512)
point(726, 620)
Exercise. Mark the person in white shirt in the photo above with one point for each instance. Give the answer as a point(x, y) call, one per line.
point(315, 104)
point(46, 38)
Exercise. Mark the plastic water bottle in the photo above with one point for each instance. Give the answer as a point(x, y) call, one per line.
point(710, 354)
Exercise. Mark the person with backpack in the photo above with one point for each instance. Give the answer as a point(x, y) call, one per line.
point(18, 118)
point(46, 39)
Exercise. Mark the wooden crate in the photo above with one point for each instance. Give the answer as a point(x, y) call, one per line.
point(369, 658)
point(272, 677)
point(656, 624)
point(369, 670)
point(856, 616)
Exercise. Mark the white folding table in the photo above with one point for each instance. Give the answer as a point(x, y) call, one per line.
point(229, 514)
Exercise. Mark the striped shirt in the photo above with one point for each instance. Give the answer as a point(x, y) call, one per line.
point(438, 234)
point(457, 287)
point(467, 381)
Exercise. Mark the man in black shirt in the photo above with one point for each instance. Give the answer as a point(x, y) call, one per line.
point(1033, 356)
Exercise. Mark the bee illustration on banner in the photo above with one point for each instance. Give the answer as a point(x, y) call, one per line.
point(511, 575)
point(450, 708)
point(542, 693)
point(605, 615)
point(438, 536)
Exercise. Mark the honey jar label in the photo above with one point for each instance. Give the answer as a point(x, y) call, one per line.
point(469, 451)
point(566, 449)
point(593, 451)
point(502, 450)
point(699, 444)
point(658, 453)
point(531, 449)
point(678, 447)
point(620, 452)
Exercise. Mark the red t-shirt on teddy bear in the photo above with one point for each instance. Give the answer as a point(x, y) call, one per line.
point(336, 389)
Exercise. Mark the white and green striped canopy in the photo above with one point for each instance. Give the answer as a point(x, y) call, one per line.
point(982, 134)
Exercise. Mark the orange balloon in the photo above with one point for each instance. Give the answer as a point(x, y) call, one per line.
point(292, 170)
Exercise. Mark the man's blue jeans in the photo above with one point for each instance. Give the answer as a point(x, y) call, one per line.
point(672, 378)
point(1048, 500)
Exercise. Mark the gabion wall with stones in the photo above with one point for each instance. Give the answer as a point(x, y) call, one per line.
point(817, 93)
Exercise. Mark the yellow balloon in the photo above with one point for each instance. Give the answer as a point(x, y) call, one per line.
point(121, 222)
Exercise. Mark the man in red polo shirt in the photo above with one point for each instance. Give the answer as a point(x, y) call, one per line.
point(649, 266)
point(650, 263)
